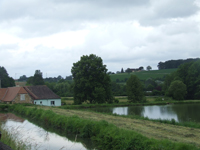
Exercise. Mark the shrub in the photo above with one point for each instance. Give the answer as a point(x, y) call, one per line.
point(116, 100)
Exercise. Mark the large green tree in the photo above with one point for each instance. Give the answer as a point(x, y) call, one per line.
point(134, 89)
point(91, 81)
point(6, 81)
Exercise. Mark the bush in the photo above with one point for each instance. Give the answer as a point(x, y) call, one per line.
point(177, 90)
point(116, 100)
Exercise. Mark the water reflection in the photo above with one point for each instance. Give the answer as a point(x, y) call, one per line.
point(179, 112)
point(162, 112)
point(37, 137)
point(120, 110)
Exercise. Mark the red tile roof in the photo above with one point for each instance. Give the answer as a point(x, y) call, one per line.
point(12, 93)
point(2, 93)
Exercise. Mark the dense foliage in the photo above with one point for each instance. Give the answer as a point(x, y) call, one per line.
point(91, 81)
point(6, 81)
point(63, 88)
point(189, 74)
point(118, 89)
point(36, 79)
point(134, 89)
point(174, 63)
point(177, 90)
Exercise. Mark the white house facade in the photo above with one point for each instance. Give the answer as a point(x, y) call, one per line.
point(48, 102)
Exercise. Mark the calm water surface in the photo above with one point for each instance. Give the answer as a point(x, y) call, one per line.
point(179, 112)
point(40, 139)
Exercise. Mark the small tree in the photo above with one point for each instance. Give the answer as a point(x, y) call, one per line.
point(36, 79)
point(22, 78)
point(141, 68)
point(122, 70)
point(134, 89)
point(128, 70)
point(149, 68)
point(177, 90)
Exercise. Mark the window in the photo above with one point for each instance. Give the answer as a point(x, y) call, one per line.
point(22, 97)
point(53, 103)
point(40, 102)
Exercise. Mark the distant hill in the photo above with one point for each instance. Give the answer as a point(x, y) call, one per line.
point(170, 64)
point(142, 75)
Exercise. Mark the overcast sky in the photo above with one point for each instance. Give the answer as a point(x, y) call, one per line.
point(51, 35)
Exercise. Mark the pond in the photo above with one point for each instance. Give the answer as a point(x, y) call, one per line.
point(39, 138)
point(179, 112)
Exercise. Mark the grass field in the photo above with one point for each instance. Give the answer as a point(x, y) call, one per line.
point(147, 128)
point(122, 99)
point(143, 75)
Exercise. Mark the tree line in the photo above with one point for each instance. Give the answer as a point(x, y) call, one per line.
point(170, 64)
point(92, 84)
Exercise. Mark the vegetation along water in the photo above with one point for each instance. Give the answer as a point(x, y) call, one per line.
point(114, 133)
point(30, 136)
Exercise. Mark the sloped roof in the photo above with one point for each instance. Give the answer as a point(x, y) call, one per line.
point(41, 92)
point(2, 93)
point(12, 93)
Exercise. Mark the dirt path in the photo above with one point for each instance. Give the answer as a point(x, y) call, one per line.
point(147, 128)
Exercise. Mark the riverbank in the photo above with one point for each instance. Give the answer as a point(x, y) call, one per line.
point(111, 132)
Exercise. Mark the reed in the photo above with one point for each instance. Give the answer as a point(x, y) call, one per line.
point(11, 139)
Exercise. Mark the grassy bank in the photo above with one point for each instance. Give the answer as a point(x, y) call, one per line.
point(106, 135)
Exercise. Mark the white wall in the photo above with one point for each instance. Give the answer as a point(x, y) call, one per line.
point(47, 102)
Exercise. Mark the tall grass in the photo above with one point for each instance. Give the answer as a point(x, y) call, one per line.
point(11, 140)
point(105, 135)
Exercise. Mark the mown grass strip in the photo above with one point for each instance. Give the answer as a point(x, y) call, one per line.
point(129, 104)
point(106, 135)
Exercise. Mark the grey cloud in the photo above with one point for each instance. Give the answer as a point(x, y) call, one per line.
point(174, 9)
point(174, 35)
point(106, 3)
point(36, 18)
point(180, 27)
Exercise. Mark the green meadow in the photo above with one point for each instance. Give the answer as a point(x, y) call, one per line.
point(143, 75)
